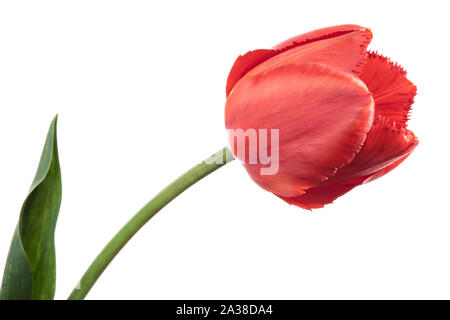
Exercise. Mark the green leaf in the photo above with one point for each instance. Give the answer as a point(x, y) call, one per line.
point(30, 271)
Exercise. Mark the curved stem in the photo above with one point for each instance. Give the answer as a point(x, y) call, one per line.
point(102, 261)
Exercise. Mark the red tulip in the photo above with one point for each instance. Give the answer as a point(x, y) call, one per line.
point(341, 112)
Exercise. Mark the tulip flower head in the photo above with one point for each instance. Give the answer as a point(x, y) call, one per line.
point(339, 113)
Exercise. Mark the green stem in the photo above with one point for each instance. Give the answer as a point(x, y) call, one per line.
point(105, 257)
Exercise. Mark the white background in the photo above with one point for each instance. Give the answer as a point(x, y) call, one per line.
point(140, 90)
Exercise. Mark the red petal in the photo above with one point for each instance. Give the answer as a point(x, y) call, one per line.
point(341, 46)
point(385, 148)
point(385, 144)
point(323, 116)
point(245, 63)
point(319, 34)
point(392, 91)
point(382, 172)
point(321, 195)
point(318, 197)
